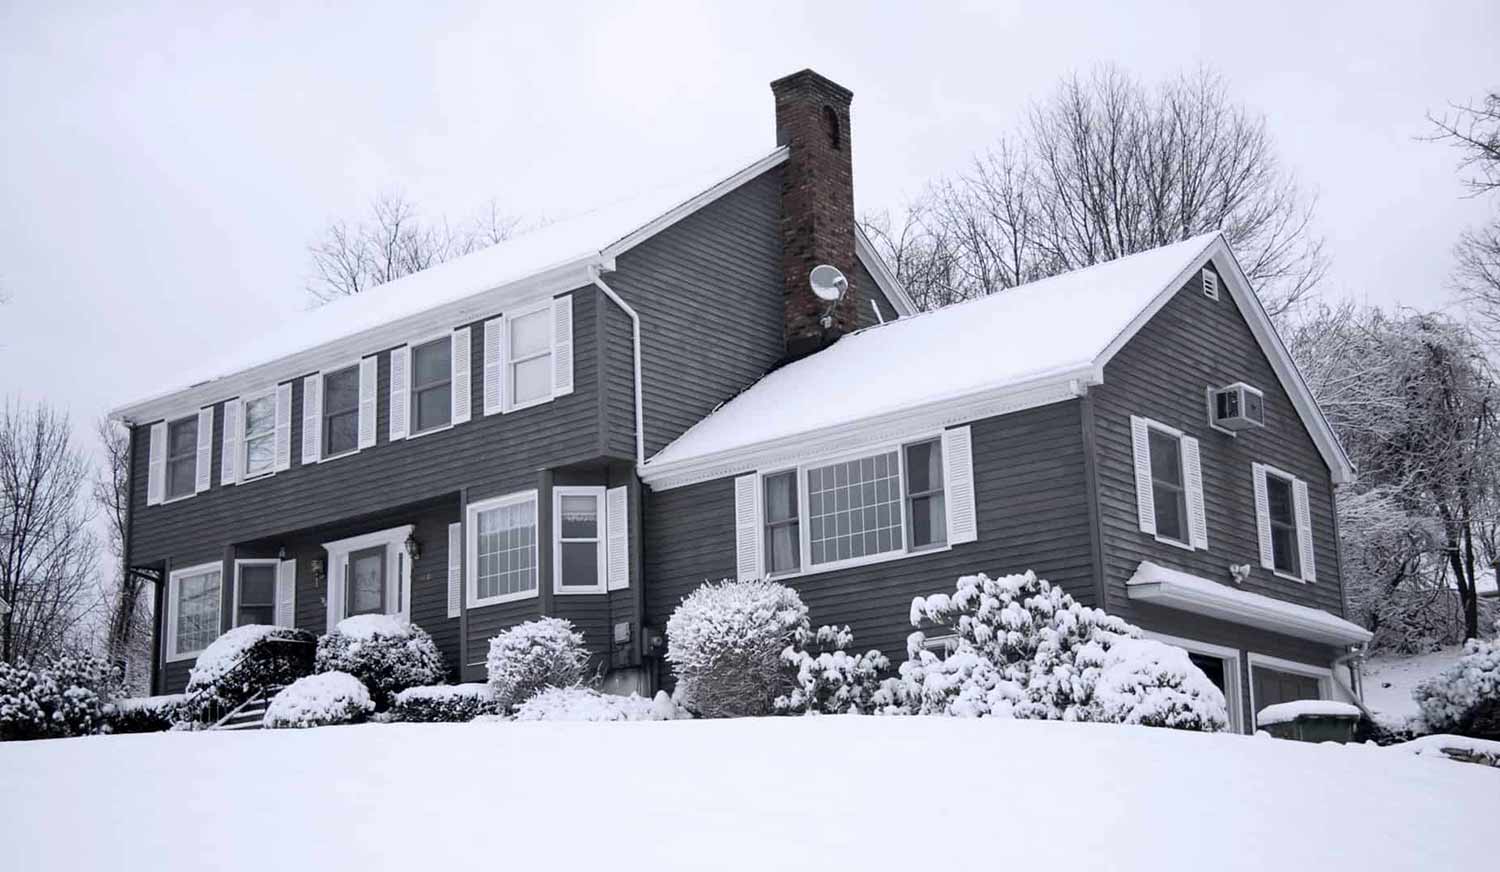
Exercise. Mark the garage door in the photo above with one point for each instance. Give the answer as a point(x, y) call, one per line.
point(1273, 686)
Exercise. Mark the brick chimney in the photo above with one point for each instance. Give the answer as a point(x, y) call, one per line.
point(817, 205)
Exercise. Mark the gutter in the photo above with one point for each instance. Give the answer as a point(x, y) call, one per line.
point(635, 341)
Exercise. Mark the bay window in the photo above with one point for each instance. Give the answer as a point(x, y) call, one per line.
point(578, 525)
point(502, 549)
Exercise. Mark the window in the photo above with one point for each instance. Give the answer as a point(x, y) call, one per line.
point(341, 411)
point(1166, 486)
point(260, 434)
point(255, 592)
point(579, 555)
point(502, 546)
point(854, 509)
point(432, 384)
point(194, 610)
point(1283, 516)
point(926, 516)
point(529, 367)
point(782, 537)
point(364, 582)
point(182, 457)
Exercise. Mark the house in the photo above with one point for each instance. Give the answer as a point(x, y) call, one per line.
point(592, 419)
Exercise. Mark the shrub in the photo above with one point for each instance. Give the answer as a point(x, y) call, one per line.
point(832, 681)
point(320, 700)
point(725, 642)
point(1142, 681)
point(243, 662)
point(387, 653)
point(546, 652)
point(1465, 698)
point(586, 704)
point(65, 696)
point(446, 703)
point(150, 714)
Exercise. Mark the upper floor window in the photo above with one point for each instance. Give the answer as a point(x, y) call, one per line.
point(194, 603)
point(182, 457)
point(1167, 487)
point(432, 385)
point(341, 411)
point(528, 355)
point(502, 548)
point(529, 368)
point(579, 524)
point(1285, 525)
point(260, 434)
point(1168, 484)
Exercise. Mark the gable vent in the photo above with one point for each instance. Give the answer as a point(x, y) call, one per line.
point(1210, 284)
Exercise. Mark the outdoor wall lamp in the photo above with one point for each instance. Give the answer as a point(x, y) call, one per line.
point(413, 547)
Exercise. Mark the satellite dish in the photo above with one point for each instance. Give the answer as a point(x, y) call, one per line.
point(828, 283)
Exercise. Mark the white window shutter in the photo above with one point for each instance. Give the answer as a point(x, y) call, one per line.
point(312, 418)
point(562, 346)
point(369, 375)
point(455, 567)
point(617, 534)
point(203, 463)
point(1304, 530)
point(286, 593)
point(400, 390)
point(229, 463)
point(1262, 516)
point(1145, 500)
point(156, 472)
point(958, 485)
point(494, 368)
point(463, 403)
point(1192, 479)
point(283, 427)
point(747, 527)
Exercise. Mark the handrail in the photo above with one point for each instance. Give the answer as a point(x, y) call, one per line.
point(191, 704)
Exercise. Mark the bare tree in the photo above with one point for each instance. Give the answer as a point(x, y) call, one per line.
point(1474, 129)
point(394, 241)
point(47, 553)
point(127, 636)
point(1105, 168)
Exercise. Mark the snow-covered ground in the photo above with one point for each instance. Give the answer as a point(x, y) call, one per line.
point(754, 794)
point(1394, 705)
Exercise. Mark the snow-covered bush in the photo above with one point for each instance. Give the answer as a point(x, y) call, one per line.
point(65, 696)
point(444, 703)
point(587, 704)
point(320, 700)
point(243, 662)
point(546, 652)
point(389, 654)
point(831, 680)
point(1026, 649)
point(1465, 698)
point(725, 642)
point(149, 714)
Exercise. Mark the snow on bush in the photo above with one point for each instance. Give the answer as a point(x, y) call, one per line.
point(243, 662)
point(445, 703)
point(546, 652)
point(831, 680)
point(725, 642)
point(65, 696)
point(1026, 649)
point(1465, 698)
point(586, 704)
point(149, 714)
point(318, 701)
point(387, 653)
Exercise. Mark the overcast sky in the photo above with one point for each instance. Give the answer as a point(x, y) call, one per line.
point(162, 170)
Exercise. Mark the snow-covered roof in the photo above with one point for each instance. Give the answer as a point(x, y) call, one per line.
point(1029, 345)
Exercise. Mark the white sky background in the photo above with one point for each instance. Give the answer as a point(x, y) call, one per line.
point(162, 171)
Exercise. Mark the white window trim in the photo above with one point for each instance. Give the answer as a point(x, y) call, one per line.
point(323, 408)
point(508, 392)
point(1323, 674)
point(411, 385)
point(804, 529)
point(471, 549)
point(243, 460)
point(1232, 674)
point(398, 570)
point(274, 563)
point(1186, 520)
point(1270, 470)
point(601, 561)
point(166, 465)
point(174, 581)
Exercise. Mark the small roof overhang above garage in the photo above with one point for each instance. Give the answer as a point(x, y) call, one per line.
point(1179, 590)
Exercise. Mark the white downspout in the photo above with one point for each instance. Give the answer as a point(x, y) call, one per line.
point(635, 339)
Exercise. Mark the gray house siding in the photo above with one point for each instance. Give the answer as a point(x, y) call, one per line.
point(869, 292)
point(1032, 507)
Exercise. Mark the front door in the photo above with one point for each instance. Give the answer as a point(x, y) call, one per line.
point(365, 594)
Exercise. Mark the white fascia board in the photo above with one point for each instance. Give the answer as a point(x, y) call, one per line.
point(1179, 590)
point(555, 280)
point(865, 250)
point(885, 428)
